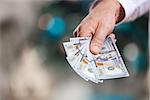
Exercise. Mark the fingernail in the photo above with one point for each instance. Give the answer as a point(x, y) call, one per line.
point(89, 35)
point(95, 49)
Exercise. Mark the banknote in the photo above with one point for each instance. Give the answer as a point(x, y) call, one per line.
point(108, 64)
point(73, 47)
point(72, 64)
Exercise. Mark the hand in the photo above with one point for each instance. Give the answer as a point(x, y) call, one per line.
point(99, 23)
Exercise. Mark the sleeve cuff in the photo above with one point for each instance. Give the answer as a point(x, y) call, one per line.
point(134, 9)
point(129, 7)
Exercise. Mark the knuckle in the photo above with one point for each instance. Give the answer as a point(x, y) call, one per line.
point(84, 31)
point(98, 41)
point(105, 25)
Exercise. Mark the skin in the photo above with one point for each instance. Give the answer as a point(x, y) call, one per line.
point(99, 23)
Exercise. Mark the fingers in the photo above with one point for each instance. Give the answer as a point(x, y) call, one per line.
point(112, 35)
point(99, 35)
point(98, 39)
point(86, 28)
point(75, 33)
point(84, 32)
point(97, 29)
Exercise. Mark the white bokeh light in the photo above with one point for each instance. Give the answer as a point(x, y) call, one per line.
point(131, 51)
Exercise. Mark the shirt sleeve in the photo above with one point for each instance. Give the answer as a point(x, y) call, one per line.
point(134, 8)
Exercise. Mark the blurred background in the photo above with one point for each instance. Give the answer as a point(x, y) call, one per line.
point(32, 59)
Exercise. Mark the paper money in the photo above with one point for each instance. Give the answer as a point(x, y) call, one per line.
point(108, 64)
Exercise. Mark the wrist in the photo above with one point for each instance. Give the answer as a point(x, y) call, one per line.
point(119, 11)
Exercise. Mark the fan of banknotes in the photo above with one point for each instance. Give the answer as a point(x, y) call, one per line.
point(108, 64)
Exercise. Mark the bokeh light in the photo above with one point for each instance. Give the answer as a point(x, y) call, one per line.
point(43, 21)
point(56, 27)
point(131, 52)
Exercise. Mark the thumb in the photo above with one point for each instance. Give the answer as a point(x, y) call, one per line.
point(98, 39)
